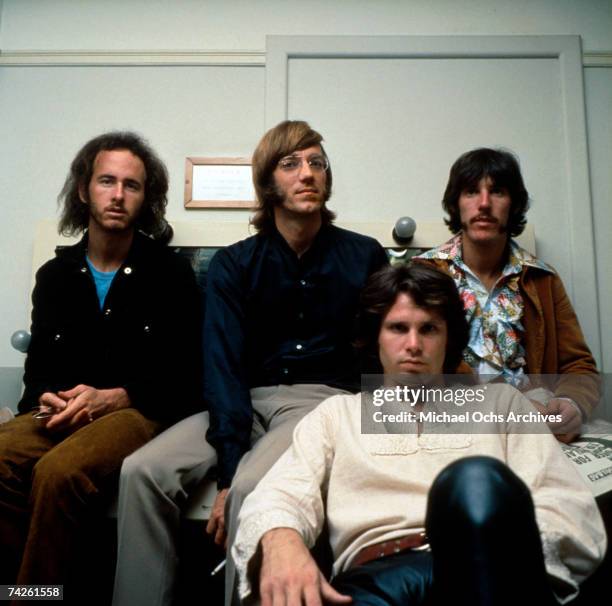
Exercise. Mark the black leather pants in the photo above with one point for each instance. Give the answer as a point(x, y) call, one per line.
point(485, 547)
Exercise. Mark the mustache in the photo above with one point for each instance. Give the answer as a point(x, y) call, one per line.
point(503, 227)
point(488, 218)
point(277, 195)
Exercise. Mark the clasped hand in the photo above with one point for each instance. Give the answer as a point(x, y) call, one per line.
point(80, 405)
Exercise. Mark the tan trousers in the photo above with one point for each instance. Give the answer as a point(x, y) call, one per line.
point(51, 485)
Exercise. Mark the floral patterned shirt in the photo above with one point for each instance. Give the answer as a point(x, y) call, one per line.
point(495, 347)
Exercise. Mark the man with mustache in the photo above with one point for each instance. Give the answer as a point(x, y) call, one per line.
point(521, 320)
point(114, 358)
point(278, 326)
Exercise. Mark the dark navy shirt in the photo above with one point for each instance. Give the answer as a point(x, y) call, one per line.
point(273, 318)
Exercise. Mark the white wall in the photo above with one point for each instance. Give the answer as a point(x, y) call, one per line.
point(598, 84)
point(207, 97)
point(48, 113)
point(243, 24)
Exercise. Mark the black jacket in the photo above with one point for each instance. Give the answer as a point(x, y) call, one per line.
point(273, 318)
point(146, 338)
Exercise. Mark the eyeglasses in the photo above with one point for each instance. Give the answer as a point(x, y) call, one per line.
point(318, 164)
point(42, 412)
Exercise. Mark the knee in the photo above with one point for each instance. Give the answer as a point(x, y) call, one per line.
point(138, 468)
point(243, 484)
point(6, 465)
point(151, 471)
point(133, 466)
point(13, 475)
point(59, 475)
point(15, 446)
point(477, 490)
point(481, 474)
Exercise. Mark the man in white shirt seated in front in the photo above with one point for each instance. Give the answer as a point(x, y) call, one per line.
point(419, 517)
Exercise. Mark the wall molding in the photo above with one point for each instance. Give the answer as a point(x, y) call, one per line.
point(597, 59)
point(133, 58)
point(221, 57)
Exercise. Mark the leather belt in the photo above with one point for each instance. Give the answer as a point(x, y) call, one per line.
point(386, 548)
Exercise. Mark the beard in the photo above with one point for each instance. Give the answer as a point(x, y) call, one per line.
point(125, 222)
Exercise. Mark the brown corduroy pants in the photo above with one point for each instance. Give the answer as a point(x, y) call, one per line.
point(51, 485)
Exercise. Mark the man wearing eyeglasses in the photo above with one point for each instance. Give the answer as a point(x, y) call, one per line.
point(280, 308)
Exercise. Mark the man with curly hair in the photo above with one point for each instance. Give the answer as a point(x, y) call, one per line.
point(114, 358)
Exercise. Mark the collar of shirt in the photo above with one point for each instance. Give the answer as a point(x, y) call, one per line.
point(518, 258)
point(319, 244)
point(495, 343)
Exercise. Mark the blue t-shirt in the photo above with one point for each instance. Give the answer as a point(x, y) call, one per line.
point(103, 281)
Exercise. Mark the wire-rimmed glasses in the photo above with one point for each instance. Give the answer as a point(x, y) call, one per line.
point(318, 163)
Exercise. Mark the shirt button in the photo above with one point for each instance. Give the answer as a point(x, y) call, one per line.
point(299, 346)
point(285, 371)
point(57, 337)
point(147, 329)
point(83, 270)
point(127, 270)
point(303, 282)
point(301, 315)
point(107, 311)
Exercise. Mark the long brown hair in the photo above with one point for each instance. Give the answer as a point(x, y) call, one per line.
point(280, 141)
point(151, 220)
